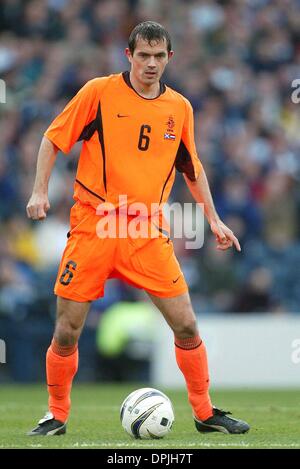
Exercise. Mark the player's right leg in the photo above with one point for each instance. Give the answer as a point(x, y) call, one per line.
point(61, 366)
point(84, 267)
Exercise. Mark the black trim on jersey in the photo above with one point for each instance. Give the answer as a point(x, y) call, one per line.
point(89, 190)
point(169, 175)
point(101, 140)
point(87, 133)
point(184, 163)
point(164, 232)
point(126, 78)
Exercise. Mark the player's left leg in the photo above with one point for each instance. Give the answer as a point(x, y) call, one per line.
point(192, 360)
point(189, 350)
point(152, 265)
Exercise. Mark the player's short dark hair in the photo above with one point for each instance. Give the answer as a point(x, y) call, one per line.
point(149, 31)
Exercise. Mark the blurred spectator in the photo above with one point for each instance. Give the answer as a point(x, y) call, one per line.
point(218, 277)
point(256, 294)
point(279, 210)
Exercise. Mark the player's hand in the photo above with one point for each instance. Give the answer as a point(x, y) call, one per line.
point(224, 236)
point(38, 206)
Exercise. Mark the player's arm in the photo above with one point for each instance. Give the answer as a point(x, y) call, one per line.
point(62, 134)
point(201, 192)
point(38, 204)
point(188, 163)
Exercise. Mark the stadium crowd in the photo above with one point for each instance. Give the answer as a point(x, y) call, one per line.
point(235, 61)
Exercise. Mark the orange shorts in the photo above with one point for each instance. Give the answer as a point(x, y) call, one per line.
point(89, 260)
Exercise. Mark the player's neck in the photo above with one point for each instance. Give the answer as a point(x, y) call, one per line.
point(150, 92)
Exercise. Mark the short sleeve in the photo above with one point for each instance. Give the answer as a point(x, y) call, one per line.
point(67, 127)
point(187, 160)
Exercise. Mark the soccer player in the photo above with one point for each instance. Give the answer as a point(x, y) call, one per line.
point(136, 131)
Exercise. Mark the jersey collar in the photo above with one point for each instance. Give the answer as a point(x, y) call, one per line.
point(126, 78)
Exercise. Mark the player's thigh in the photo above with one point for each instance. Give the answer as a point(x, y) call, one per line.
point(151, 264)
point(87, 258)
point(178, 312)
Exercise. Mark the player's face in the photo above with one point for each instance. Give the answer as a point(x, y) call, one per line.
point(148, 61)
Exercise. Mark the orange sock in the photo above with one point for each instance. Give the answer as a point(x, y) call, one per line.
point(192, 361)
point(61, 367)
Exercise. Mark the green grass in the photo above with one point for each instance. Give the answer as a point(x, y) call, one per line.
point(274, 417)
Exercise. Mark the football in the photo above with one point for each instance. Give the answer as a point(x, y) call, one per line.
point(147, 413)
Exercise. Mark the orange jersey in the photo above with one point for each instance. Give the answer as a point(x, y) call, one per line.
point(131, 145)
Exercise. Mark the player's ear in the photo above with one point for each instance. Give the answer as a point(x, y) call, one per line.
point(170, 55)
point(128, 54)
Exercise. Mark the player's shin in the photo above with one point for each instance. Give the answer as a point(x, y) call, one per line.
point(61, 367)
point(192, 360)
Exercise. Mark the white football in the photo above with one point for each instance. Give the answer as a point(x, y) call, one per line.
point(147, 413)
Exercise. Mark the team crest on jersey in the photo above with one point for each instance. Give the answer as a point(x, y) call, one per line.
point(170, 124)
point(169, 134)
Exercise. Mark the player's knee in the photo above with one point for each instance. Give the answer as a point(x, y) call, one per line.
point(186, 328)
point(67, 333)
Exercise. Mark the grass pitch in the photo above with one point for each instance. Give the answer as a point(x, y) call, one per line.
point(274, 417)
